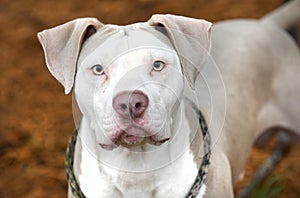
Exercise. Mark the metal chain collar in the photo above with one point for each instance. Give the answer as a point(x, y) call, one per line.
point(194, 190)
point(75, 188)
point(203, 170)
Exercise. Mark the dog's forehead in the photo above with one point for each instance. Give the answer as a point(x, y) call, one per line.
point(133, 36)
point(111, 41)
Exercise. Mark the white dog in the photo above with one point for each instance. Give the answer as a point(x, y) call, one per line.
point(137, 89)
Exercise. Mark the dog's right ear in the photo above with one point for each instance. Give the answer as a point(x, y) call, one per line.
point(62, 45)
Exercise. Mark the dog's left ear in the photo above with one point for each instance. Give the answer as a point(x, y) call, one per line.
point(62, 45)
point(191, 39)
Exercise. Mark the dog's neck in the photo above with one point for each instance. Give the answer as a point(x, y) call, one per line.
point(124, 164)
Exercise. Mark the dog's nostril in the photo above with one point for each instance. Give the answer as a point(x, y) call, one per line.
point(123, 106)
point(138, 105)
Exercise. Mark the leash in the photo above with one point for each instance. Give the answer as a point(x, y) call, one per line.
point(194, 190)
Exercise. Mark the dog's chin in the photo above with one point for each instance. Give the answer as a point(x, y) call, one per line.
point(130, 141)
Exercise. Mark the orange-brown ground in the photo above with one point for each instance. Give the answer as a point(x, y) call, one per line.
point(35, 115)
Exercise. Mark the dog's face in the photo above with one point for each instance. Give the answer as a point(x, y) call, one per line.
point(128, 79)
point(129, 87)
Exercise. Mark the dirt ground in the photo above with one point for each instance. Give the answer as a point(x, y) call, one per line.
point(35, 115)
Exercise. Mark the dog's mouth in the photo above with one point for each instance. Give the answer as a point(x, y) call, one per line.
point(127, 140)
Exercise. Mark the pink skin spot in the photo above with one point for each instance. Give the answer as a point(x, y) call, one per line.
point(116, 135)
point(141, 121)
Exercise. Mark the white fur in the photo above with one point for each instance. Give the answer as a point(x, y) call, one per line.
point(168, 180)
point(202, 191)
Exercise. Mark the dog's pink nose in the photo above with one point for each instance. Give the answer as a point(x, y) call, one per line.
point(130, 104)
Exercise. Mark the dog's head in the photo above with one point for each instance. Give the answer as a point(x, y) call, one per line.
point(128, 79)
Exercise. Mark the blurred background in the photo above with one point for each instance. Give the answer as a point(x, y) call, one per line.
point(35, 115)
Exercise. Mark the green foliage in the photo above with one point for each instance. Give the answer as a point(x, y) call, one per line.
point(270, 188)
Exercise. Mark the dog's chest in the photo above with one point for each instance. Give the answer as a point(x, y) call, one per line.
point(173, 180)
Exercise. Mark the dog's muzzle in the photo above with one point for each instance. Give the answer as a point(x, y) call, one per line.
point(132, 121)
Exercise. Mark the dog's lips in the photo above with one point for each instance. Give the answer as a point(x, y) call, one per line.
point(125, 139)
point(159, 142)
point(130, 139)
point(108, 146)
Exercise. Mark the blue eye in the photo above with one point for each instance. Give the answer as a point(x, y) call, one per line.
point(98, 70)
point(158, 65)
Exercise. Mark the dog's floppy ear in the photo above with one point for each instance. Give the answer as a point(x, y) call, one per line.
point(62, 45)
point(190, 38)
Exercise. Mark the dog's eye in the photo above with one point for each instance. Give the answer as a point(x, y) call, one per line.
point(98, 70)
point(158, 65)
